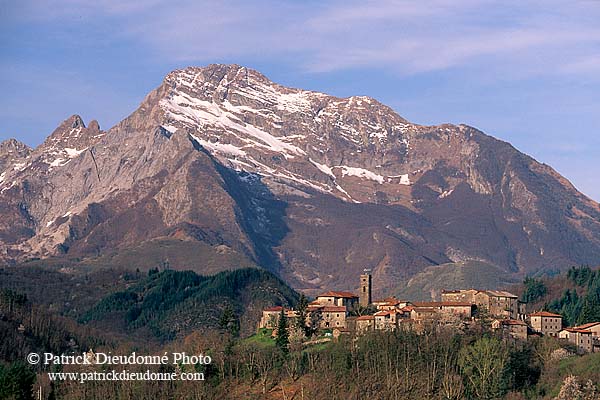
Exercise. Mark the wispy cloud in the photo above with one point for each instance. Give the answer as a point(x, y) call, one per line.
point(527, 71)
point(404, 37)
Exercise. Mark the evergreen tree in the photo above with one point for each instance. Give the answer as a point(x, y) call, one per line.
point(590, 310)
point(282, 340)
point(302, 308)
point(534, 289)
point(229, 322)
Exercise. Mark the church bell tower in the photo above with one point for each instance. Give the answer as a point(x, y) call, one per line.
point(365, 288)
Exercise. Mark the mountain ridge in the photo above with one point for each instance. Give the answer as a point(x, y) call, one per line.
point(311, 186)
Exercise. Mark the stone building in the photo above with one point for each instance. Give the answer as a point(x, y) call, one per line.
point(461, 295)
point(390, 303)
point(330, 316)
point(497, 303)
point(270, 317)
point(365, 323)
point(386, 320)
point(454, 308)
point(513, 328)
point(546, 323)
point(340, 299)
point(593, 327)
point(365, 288)
point(579, 337)
point(420, 314)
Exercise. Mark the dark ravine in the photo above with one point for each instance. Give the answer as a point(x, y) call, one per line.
point(240, 171)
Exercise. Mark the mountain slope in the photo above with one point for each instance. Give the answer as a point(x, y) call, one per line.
point(308, 185)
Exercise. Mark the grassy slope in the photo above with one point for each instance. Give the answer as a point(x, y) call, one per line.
point(428, 284)
point(179, 254)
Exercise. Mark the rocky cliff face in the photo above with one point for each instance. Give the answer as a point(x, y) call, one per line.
point(242, 171)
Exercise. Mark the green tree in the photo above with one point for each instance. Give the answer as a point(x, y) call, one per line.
point(569, 305)
point(16, 381)
point(282, 340)
point(482, 365)
point(229, 322)
point(303, 316)
point(580, 276)
point(534, 289)
point(590, 310)
point(522, 369)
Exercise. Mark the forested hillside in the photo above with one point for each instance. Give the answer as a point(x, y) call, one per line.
point(171, 303)
point(574, 294)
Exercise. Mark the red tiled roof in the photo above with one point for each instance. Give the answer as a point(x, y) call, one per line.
point(574, 330)
point(365, 318)
point(276, 308)
point(545, 314)
point(407, 308)
point(587, 326)
point(384, 313)
point(390, 300)
point(332, 293)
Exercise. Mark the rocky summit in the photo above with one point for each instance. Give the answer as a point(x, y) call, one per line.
point(221, 168)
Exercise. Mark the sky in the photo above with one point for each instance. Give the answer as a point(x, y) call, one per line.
point(527, 72)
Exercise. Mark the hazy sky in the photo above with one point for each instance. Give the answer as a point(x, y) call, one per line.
point(527, 72)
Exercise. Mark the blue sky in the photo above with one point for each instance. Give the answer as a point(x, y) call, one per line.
point(527, 72)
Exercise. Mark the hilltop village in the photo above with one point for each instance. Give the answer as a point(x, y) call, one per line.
point(344, 313)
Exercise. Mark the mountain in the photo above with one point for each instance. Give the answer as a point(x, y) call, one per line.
point(221, 168)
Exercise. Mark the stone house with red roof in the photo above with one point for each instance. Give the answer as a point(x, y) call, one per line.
point(546, 323)
point(386, 320)
point(390, 303)
point(593, 327)
point(365, 323)
point(581, 338)
point(330, 316)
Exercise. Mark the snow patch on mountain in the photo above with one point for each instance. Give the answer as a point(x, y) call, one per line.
point(20, 166)
point(59, 162)
point(196, 112)
point(445, 194)
point(361, 173)
point(169, 128)
point(404, 179)
point(223, 148)
point(72, 153)
point(323, 168)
